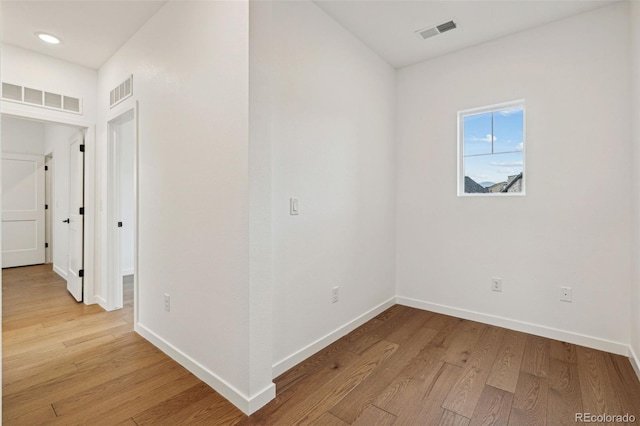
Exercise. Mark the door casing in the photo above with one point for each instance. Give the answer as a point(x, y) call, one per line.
point(90, 255)
point(114, 270)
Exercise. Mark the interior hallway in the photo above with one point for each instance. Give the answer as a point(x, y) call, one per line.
point(67, 363)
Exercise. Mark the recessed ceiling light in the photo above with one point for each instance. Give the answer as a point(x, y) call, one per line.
point(48, 38)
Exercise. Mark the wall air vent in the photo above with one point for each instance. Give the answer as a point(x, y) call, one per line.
point(40, 98)
point(438, 29)
point(121, 92)
point(11, 92)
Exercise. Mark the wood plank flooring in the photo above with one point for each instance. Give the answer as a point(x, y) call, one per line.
point(65, 363)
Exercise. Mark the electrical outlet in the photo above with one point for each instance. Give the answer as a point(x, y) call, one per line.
point(167, 302)
point(335, 295)
point(565, 294)
point(496, 283)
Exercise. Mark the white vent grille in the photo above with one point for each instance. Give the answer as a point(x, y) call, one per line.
point(12, 92)
point(52, 100)
point(121, 92)
point(71, 104)
point(438, 29)
point(33, 96)
point(40, 98)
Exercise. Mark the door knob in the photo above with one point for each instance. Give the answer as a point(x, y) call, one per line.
point(66, 221)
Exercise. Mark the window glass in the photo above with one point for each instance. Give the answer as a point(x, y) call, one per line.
point(492, 150)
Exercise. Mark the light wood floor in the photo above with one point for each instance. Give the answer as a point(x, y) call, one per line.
point(66, 363)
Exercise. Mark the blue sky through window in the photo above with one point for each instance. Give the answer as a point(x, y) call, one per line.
point(493, 145)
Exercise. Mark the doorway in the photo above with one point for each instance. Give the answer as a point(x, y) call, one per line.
point(38, 151)
point(122, 208)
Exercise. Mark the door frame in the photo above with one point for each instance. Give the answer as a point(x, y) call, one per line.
point(114, 291)
point(89, 129)
point(49, 198)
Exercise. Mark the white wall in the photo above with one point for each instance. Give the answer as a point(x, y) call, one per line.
point(31, 69)
point(635, 123)
point(190, 69)
point(333, 149)
point(127, 200)
point(22, 136)
point(260, 196)
point(57, 143)
point(572, 227)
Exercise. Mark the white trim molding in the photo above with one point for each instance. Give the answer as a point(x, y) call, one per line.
point(304, 353)
point(635, 361)
point(247, 405)
point(103, 303)
point(538, 330)
point(60, 271)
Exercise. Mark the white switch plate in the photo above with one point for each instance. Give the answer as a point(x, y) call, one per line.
point(293, 206)
point(167, 302)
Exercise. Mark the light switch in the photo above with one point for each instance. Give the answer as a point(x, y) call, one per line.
point(293, 206)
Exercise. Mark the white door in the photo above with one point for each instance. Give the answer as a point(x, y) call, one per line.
point(76, 216)
point(22, 210)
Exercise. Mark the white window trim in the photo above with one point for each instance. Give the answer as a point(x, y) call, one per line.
point(480, 110)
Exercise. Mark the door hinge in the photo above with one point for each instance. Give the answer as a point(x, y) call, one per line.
point(81, 147)
point(81, 210)
point(46, 206)
point(81, 273)
point(46, 168)
point(119, 224)
point(46, 245)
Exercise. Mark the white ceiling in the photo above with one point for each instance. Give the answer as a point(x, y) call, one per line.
point(388, 26)
point(91, 31)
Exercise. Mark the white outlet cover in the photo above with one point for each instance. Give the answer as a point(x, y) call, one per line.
point(566, 294)
point(496, 284)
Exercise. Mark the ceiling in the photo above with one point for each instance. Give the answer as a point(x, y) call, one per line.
point(388, 26)
point(92, 31)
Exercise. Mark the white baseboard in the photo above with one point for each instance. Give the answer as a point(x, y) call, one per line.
point(247, 405)
point(100, 301)
point(635, 361)
point(538, 330)
point(60, 271)
point(304, 353)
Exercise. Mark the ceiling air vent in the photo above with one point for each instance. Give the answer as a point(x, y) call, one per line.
point(40, 98)
point(438, 29)
point(121, 92)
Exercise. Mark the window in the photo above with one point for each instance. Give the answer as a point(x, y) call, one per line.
point(491, 143)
